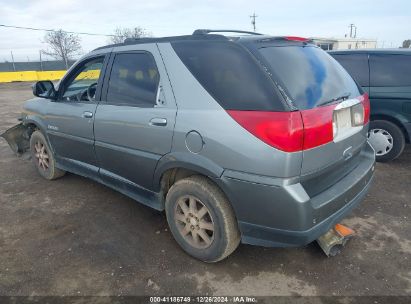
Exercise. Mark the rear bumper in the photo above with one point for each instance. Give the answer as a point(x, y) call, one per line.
point(279, 213)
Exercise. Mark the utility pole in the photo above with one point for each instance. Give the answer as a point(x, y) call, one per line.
point(12, 60)
point(41, 62)
point(352, 26)
point(253, 16)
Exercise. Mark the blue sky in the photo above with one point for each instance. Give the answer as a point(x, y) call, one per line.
point(387, 21)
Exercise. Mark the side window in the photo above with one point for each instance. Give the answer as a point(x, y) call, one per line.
point(357, 66)
point(390, 70)
point(230, 75)
point(82, 85)
point(133, 80)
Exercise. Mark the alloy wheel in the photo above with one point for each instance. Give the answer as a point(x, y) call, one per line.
point(194, 222)
point(41, 155)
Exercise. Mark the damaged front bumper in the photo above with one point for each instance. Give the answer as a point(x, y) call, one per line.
point(18, 138)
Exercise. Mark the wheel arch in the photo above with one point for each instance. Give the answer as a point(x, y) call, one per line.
point(185, 161)
point(395, 121)
point(18, 136)
point(36, 122)
point(176, 166)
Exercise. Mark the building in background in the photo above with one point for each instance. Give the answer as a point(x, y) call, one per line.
point(344, 43)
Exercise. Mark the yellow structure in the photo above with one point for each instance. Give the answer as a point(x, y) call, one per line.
point(31, 76)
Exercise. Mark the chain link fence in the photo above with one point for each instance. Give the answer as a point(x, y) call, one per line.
point(33, 66)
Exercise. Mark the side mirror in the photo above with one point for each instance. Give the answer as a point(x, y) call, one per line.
point(44, 89)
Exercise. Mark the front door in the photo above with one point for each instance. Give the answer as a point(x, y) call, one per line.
point(134, 121)
point(70, 118)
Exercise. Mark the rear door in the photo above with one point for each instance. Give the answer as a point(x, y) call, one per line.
point(391, 85)
point(135, 119)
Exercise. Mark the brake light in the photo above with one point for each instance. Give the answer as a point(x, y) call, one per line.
point(365, 100)
point(281, 130)
point(306, 129)
point(294, 38)
point(318, 126)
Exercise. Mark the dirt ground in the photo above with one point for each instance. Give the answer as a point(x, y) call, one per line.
point(74, 236)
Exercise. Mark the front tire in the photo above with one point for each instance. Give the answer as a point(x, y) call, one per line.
point(43, 157)
point(387, 140)
point(201, 219)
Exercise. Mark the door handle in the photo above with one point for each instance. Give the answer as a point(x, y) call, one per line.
point(158, 122)
point(87, 114)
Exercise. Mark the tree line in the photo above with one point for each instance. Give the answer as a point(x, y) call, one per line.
point(65, 46)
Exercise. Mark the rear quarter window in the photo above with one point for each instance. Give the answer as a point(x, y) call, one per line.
point(390, 70)
point(230, 75)
point(356, 65)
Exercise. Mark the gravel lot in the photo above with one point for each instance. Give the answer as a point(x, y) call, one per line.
point(73, 236)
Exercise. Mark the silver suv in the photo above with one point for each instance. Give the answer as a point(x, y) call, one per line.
point(248, 138)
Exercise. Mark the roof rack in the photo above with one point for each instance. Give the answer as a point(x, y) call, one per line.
point(207, 31)
point(201, 34)
point(171, 38)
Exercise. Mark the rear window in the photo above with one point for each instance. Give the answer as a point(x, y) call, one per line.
point(390, 70)
point(356, 65)
point(308, 75)
point(230, 75)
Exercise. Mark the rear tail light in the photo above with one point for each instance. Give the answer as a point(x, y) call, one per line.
point(289, 131)
point(306, 129)
point(366, 104)
point(318, 126)
point(281, 130)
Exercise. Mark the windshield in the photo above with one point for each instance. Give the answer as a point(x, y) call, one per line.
point(308, 75)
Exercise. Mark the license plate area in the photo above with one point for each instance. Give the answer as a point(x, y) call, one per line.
point(343, 118)
point(343, 126)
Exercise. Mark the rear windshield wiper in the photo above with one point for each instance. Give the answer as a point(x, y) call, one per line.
point(342, 97)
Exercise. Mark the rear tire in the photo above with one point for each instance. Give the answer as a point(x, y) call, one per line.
point(43, 157)
point(201, 219)
point(387, 140)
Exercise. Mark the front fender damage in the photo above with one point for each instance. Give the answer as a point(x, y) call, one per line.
point(18, 138)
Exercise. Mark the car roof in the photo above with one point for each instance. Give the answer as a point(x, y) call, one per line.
point(131, 41)
point(399, 51)
point(205, 35)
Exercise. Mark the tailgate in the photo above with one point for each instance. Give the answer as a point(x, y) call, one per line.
point(334, 110)
point(326, 164)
